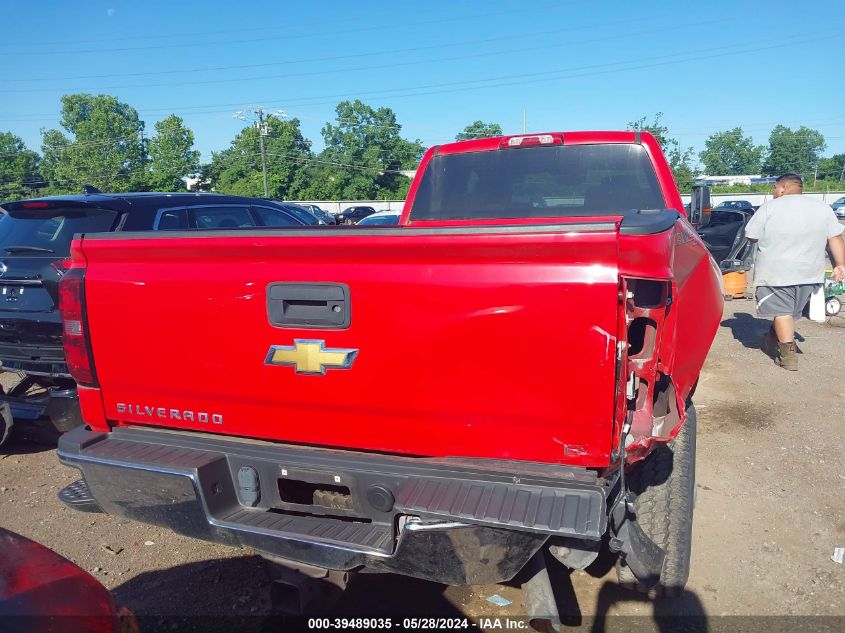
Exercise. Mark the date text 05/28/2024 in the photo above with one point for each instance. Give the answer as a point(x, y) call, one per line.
point(419, 624)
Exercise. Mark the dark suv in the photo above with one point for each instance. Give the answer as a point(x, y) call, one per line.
point(35, 237)
point(353, 215)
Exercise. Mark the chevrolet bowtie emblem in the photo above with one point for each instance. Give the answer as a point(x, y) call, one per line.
point(310, 356)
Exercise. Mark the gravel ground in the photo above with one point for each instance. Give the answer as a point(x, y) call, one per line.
point(771, 490)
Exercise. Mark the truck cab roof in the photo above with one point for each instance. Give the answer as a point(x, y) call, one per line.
point(543, 138)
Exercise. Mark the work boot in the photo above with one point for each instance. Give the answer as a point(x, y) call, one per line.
point(787, 356)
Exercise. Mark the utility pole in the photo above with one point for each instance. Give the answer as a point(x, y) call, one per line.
point(263, 129)
point(523, 122)
point(842, 173)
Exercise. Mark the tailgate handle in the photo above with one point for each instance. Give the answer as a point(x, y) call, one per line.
point(319, 305)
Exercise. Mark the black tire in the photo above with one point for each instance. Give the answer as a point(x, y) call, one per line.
point(665, 487)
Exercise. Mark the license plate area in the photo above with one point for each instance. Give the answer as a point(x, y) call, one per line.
point(301, 492)
point(316, 492)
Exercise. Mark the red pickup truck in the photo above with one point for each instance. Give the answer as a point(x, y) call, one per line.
point(507, 372)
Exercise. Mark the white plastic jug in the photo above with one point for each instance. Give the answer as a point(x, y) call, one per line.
point(817, 305)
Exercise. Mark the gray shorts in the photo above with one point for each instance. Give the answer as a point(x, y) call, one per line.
point(776, 301)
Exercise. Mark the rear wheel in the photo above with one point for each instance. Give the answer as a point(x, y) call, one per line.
point(832, 306)
point(665, 487)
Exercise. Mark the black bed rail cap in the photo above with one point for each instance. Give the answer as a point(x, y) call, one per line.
point(647, 221)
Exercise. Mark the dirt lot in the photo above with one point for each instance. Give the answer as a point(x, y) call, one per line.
point(770, 510)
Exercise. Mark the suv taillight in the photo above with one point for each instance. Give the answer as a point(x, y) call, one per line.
point(75, 329)
point(61, 266)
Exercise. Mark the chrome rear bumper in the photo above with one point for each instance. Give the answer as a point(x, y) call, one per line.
point(451, 521)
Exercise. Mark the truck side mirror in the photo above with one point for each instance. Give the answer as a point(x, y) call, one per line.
point(700, 209)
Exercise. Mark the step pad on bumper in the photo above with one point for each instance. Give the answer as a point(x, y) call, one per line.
point(537, 508)
point(78, 497)
point(364, 535)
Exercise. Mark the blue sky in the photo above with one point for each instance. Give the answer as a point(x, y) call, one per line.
point(439, 65)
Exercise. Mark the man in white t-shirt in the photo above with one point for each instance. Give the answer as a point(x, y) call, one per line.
point(791, 232)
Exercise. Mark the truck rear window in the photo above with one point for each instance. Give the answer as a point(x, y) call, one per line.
point(53, 231)
point(535, 182)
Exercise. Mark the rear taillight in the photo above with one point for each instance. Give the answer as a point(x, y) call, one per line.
point(61, 266)
point(74, 327)
point(35, 205)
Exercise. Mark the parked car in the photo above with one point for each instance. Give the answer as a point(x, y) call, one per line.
point(537, 339)
point(320, 214)
point(353, 215)
point(305, 209)
point(382, 218)
point(735, 204)
point(35, 237)
point(303, 214)
point(839, 208)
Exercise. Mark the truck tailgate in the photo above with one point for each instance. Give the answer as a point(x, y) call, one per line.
point(495, 343)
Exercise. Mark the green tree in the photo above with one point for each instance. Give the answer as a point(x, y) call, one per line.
point(730, 153)
point(172, 156)
point(679, 158)
point(106, 149)
point(793, 150)
point(479, 129)
point(18, 168)
point(237, 169)
point(655, 128)
point(680, 162)
point(832, 169)
point(364, 152)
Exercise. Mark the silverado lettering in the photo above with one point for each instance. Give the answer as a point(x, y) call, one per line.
point(171, 414)
point(533, 330)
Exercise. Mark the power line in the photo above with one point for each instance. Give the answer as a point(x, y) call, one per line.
point(183, 34)
point(461, 86)
point(522, 78)
point(532, 35)
point(334, 71)
point(263, 130)
point(336, 163)
point(74, 144)
point(252, 40)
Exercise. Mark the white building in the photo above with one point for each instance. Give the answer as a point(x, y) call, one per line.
point(747, 179)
